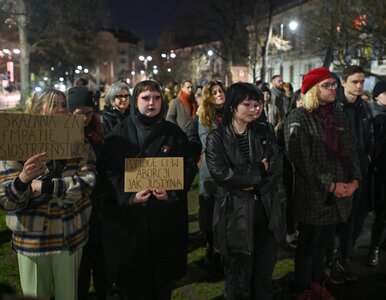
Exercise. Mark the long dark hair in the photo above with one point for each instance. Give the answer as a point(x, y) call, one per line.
point(236, 94)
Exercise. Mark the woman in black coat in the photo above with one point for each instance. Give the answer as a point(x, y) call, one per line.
point(146, 231)
point(244, 161)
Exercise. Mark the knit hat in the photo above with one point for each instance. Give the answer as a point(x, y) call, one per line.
point(79, 96)
point(379, 88)
point(266, 89)
point(315, 76)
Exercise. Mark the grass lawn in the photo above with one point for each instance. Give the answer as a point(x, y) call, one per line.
point(198, 284)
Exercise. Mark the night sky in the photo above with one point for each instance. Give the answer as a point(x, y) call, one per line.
point(145, 18)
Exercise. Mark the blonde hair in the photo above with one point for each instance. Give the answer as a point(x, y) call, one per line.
point(45, 99)
point(310, 99)
point(207, 109)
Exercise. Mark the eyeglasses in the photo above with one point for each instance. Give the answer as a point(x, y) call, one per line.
point(329, 86)
point(123, 97)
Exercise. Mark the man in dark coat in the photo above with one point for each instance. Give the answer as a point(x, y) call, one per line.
point(322, 149)
point(359, 114)
point(378, 108)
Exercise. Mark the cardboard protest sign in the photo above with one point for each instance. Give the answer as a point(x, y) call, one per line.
point(155, 173)
point(23, 135)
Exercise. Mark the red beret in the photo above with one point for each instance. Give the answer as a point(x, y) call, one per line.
point(313, 77)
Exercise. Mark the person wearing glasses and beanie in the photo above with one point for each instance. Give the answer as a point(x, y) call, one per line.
point(322, 148)
point(80, 102)
point(116, 109)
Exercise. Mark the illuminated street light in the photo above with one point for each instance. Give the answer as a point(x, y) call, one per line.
point(163, 55)
point(145, 61)
point(169, 70)
point(133, 73)
point(172, 54)
point(293, 25)
point(6, 51)
point(16, 51)
point(79, 67)
point(77, 71)
point(61, 79)
point(210, 52)
point(85, 70)
point(155, 71)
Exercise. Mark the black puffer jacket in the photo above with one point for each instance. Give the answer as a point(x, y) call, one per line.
point(110, 117)
point(234, 207)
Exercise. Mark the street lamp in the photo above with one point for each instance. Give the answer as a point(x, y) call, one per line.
point(145, 61)
point(293, 25)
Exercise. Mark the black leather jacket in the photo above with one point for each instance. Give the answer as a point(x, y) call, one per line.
point(234, 206)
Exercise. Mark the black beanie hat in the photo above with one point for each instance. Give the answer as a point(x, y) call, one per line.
point(79, 96)
point(379, 88)
point(266, 89)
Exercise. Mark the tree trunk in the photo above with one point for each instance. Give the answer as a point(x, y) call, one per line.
point(328, 57)
point(21, 17)
point(265, 48)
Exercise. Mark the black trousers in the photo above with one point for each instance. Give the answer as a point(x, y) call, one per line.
point(135, 270)
point(92, 264)
point(309, 257)
point(378, 230)
point(206, 203)
point(349, 231)
point(250, 276)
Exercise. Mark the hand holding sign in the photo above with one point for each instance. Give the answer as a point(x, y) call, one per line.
point(142, 196)
point(161, 195)
point(33, 168)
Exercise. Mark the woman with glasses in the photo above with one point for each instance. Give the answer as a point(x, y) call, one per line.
point(116, 108)
point(244, 161)
point(145, 231)
point(80, 102)
point(321, 146)
point(49, 209)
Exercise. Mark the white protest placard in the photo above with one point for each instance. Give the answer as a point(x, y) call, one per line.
point(23, 135)
point(155, 173)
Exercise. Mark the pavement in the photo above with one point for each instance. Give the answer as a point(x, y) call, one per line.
point(9, 100)
point(372, 280)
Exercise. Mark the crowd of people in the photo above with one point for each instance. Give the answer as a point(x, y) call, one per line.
point(323, 144)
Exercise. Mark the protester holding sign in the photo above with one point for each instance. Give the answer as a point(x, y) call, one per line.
point(244, 161)
point(49, 208)
point(145, 231)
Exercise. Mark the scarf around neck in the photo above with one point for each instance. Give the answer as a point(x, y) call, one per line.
point(189, 102)
point(331, 130)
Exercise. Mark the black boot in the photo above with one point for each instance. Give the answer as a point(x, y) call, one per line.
point(373, 257)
